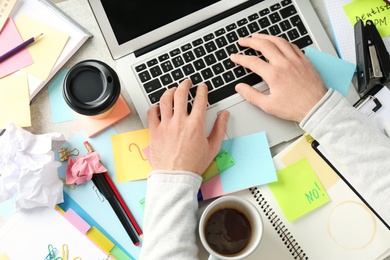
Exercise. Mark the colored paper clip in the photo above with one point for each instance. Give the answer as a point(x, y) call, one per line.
point(64, 153)
point(52, 253)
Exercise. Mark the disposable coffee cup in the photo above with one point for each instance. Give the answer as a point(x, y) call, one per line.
point(91, 88)
point(230, 228)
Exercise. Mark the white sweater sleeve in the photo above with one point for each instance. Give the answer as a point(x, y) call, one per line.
point(360, 149)
point(170, 216)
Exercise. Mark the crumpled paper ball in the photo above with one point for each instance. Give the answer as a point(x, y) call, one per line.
point(81, 170)
point(28, 168)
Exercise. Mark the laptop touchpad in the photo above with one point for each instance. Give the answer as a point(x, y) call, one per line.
point(248, 119)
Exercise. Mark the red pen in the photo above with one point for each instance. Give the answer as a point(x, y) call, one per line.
point(104, 184)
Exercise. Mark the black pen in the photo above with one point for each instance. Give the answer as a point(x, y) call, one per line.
point(104, 188)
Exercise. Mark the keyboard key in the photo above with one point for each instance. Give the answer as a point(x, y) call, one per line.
point(152, 62)
point(144, 76)
point(155, 71)
point(293, 34)
point(197, 42)
point(297, 22)
point(228, 76)
point(275, 7)
point(253, 17)
point(274, 17)
point(210, 47)
point(166, 66)
point(188, 56)
point(220, 32)
point(228, 64)
point(188, 69)
point(199, 64)
point(286, 2)
point(221, 41)
point(199, 51)
point(264, 12)
point(217, 81)
point(152, 85)
point(163, 57)
point(242, 32)
point(229, 89)
point(242, 22)
point(177, 61)
point(186, 47)
point(210, 59)
point(174, 52)
point(274, 30)
point(208, 37)
point(303, 42)
point(177, 74)
point(232, 37)
point(166, 79)
point(220, 54)
point(217, 68)
point(231, 49)
point(231, 27)
point(196, 78)
point(155, 96)
point(250, 52)
point(140, 67)
point(285, 25)
point(253, 27)
point(207, 73)
point(239, 71)
point(288, 11)
point(264, 22)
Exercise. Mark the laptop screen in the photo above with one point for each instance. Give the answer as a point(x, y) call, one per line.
point(129, 19)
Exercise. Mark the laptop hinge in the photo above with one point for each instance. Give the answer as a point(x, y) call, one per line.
point(195, 27)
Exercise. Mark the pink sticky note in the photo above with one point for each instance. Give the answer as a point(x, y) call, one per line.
point(212, 188)
point(9, 39)
point(93, 126)
point(76, 221)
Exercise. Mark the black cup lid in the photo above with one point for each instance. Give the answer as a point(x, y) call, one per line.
point(91, 87)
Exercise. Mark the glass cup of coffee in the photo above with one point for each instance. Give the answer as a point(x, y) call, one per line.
point(91, 88)
point(230, 228)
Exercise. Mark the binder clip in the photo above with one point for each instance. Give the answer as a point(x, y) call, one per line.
point(372, 58)
point(65, 153)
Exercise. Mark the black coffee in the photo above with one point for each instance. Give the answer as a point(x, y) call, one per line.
point(228, 231)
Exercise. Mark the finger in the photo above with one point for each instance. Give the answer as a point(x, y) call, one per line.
point(218, 132)
point(265, 46)
point(200, 101)
point(181, 97)
point(153, 114)
point(253, 63)
point(166, 103)
point(284, 47)
point(252, 95)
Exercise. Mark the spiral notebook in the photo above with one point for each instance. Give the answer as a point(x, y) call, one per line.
point(343, 228)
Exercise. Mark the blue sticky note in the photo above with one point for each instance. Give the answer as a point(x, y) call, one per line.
point(86, 196)
point(60, 111)
point(253, 163)
point(336, 73)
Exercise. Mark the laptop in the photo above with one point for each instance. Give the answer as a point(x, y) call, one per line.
point(157, 44)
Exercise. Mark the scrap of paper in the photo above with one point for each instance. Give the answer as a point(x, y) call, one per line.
point(15, 101)
point(375, 10)
point(5, 10)
point(60, 111)
point(303, 149)
point(338, 76)
point(130, 162)
point(298, 190)
point(4, 256)
point(253, 166)
point(9, 39)
point(46, 50)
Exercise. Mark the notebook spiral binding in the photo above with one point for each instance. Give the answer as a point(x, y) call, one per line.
point(288, 239)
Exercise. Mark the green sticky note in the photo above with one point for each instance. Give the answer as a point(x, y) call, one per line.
point(224, 161)
point(375, 10)
point(298, 190)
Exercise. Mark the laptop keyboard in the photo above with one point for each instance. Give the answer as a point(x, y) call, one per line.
point(206, 59)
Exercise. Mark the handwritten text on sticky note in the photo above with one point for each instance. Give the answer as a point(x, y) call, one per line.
point(375, 10)
point(298, 190)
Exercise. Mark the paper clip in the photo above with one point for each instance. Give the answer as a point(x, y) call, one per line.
point(378, 104)
point(64, 153)
point(65, 252)
point(98, 194)
point(52, 252)
point(69, 186)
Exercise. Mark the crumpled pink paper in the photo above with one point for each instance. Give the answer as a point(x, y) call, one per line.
point(81, 170)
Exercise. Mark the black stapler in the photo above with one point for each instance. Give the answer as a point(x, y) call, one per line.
point(372, 58)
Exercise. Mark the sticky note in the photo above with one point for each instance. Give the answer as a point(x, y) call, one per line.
point(302, 149)
point(14, 101)
point(375, 10)
point(4, 256)
point(117, 253)
point(60, 111)
point(76, 221)
point(99, 238)
point(338, 75)
point(130, 161)
point(298, 191)
point(46, 50)
point(9, 39)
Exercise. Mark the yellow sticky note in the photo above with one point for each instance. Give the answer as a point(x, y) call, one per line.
point(14, 101)
point(375, 10)
point(100, 239)
point(130, 161)
point(298, 190)
point(46, 50)
point(4, 256)
point(303, 149)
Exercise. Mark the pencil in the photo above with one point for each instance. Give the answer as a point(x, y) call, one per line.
point(106, 186)
point(19, 48)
